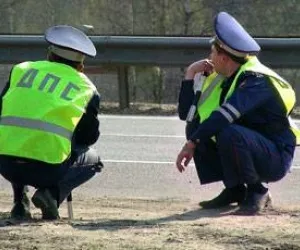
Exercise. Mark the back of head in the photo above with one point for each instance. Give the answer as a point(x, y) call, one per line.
point(69, 45)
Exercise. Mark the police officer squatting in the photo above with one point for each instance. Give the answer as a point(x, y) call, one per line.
point(49, 120)
point(241, 132)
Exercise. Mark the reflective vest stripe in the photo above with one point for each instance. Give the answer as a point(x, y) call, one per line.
point(206, 93)
point(226, 114)
point(36, 124)
point(233, 110)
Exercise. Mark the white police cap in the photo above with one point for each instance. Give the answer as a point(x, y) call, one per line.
point(69, 43)
point(232, 37)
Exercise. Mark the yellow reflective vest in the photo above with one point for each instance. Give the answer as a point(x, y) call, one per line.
point(210, 101)
point(210, 97)
point(41, 109)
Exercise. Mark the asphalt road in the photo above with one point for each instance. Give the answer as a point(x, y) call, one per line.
point(139, 154)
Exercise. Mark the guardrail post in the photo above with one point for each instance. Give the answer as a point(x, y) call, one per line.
point(123, 86)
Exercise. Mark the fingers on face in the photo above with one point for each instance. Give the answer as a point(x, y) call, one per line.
point(209, 62)
point(208, 67)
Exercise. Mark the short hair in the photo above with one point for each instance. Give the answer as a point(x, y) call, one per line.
point(240, 60)
point(55, 58)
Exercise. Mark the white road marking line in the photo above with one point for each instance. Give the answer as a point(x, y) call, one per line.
point(140, 162)
point(131, 117)
point(134, 135)
point(157, 162)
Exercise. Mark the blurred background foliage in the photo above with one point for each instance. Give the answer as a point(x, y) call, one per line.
point(262, 18)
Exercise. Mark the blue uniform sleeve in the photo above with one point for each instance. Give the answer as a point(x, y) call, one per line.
point(4, 90)
point(251, 92)
point(87, 131)
point(186, 97)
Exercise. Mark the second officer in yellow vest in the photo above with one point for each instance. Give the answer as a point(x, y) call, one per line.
point(255, 140)
point(48, 121)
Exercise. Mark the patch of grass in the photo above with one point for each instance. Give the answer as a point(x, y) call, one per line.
point(153, 109)
point(139, 109)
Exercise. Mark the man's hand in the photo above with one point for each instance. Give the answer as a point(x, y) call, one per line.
point(185, 156)
point(199, 67)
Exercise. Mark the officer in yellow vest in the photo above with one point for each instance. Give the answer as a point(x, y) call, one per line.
point(48, 123)
point(246, 138)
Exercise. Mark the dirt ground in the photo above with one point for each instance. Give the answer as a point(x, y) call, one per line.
point(136, 224)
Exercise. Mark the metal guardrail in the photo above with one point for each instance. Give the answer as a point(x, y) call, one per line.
point(123, 51)
point(167, 51)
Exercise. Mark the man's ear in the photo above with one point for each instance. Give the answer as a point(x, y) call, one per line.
point(225, 58)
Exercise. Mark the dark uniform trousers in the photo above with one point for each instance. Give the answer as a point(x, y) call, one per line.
point(241, 156)
point(60, 179)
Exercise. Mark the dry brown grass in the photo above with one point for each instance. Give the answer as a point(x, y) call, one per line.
point(136, 224)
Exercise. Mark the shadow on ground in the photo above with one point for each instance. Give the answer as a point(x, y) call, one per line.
point(115, 224)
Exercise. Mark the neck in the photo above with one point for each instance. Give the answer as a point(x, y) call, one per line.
point(232, 69)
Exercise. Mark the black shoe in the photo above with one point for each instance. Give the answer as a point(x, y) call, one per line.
point(255, 203)
point(225, 198)
point(20, 211)
point(21, 208)
point(43, 199)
